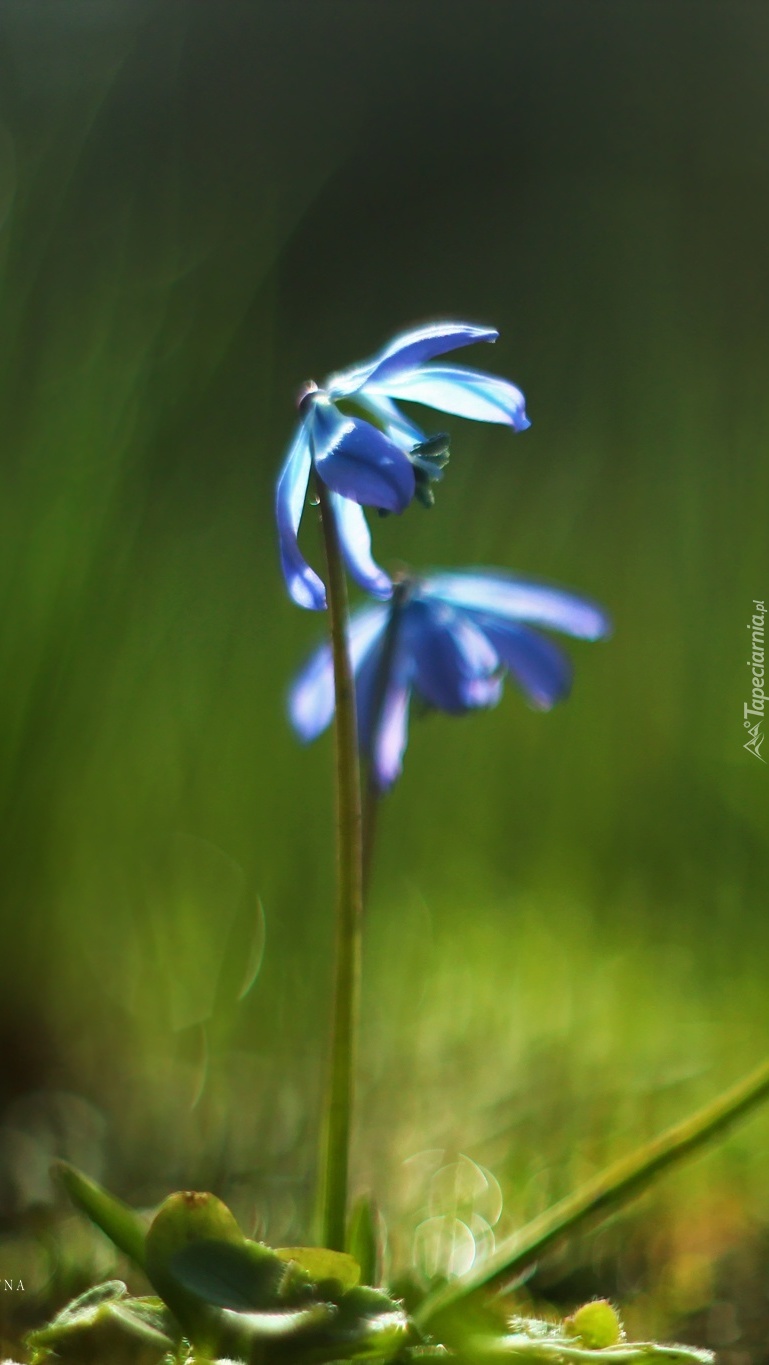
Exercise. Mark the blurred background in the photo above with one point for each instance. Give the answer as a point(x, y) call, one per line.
point(201, 206)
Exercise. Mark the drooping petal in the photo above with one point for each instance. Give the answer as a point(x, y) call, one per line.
point(450, 655)
point(516, 599)
point(382, 702)
point(391, 736)
point(466, 393)
point(356, 460)
point(397, 426)
point(404, 352)
point(311, 698)
point(355, 540)
point(367, 687)
point(302, 582)
point(485, 692)
point(540, 667)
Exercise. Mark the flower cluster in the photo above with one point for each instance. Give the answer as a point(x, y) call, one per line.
point(448, 639)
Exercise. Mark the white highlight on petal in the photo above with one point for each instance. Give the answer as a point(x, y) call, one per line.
point(389, 742)
point(406, 351)
point(311, 698)
point(516, 599)
point(465, 393)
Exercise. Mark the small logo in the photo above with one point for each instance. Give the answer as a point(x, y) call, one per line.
point(753, 711)
point(755, 741)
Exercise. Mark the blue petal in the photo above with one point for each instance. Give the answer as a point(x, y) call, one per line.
point(391, 737)
point(516, 599)
point(367, 689)
point(355, 540)
point(467, 393)
point(483, 692)
point(302, 582)
point(382, 705)
point(398, 427)
point(355, 459)
point(540, 667)
point(451, 655)
point(311, 699)
point(405, 351)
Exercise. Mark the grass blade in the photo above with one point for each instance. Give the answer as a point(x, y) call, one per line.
point(621, 1181)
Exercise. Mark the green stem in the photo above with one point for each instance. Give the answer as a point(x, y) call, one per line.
point(621, 1181)
point(335, 1152)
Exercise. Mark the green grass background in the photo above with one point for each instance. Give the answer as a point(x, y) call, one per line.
point(201, 206)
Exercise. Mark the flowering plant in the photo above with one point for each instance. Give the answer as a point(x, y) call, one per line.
point(448, 640)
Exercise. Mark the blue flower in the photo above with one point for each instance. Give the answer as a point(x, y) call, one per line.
point(449, 639)
point(383, 463)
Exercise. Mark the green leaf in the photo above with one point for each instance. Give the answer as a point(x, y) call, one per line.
point(242, 1276)
point(185, 1218)
point(322, 1265)
point(370, 1325)
point(147, 1318)
point(366, 1238)
point(555, 1349)
point(553, 1343)
point(123, 1227)
point(106, 1324)
point(621, 1182)
point(243, 1328)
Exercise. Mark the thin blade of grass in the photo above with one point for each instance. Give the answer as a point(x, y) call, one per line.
point(623, 1180)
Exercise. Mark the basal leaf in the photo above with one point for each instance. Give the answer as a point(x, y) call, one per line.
point(243, 1276)
point(105, 1323)
point(123, 1227)
point(322, 1265)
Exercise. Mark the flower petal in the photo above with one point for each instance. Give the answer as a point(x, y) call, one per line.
point(398, 427)
point(450, 653)
point(406, 351)
point(484, 692)
point(467, 393)
point(355, 459)
point(516, 599)
point(382, 703)
point(540, 667)
point(311, 699)
point(391, 737)
point(355, 540)
point(302, 582)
